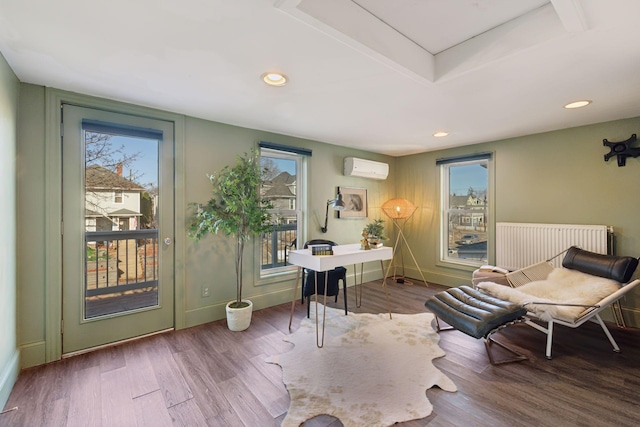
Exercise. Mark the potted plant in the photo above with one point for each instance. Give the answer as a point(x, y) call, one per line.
point(375, 232)
point(237, 210)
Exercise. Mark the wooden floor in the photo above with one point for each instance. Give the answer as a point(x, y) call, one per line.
point(207, 375)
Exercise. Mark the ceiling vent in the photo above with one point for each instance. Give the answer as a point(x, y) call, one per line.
point(365, 168)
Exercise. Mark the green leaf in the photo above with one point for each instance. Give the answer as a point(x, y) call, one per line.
point(235, 208)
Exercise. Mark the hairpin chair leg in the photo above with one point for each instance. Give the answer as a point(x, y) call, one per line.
point(293, 300)
point(384, 286)
point(344, 291)
point(320, 340)
point(358, 285)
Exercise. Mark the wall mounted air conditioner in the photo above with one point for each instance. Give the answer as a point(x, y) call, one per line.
point(365, 168)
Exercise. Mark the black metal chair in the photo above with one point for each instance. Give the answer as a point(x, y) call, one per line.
point(335, 275)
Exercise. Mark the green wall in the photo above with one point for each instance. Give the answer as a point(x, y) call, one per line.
point(210, 261)
point(9, 355)
point(553, 177)
point(203, 147)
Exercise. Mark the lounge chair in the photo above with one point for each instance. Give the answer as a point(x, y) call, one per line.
point(586, 284)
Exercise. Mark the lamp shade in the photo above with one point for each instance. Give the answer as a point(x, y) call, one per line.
point(338, 204)
point(398, 208)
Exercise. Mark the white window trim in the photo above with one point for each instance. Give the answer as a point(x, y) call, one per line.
point(284, 273)
point(443, 259)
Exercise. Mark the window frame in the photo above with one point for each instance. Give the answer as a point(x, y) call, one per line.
point(445, 210)
point(264, 274)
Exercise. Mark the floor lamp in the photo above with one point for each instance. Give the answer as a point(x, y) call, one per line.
point(399, 211)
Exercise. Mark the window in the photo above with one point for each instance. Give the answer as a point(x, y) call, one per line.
point(283, 186)
point(465, 209)
point(117, 197)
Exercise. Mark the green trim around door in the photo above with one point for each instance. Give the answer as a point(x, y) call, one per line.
point(54, 99)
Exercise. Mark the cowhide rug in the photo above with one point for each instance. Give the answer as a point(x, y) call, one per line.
point(372, 371)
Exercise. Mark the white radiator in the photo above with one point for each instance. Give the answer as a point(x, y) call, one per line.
point(519, 245)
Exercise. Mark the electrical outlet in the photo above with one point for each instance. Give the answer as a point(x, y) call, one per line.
point(205, 291)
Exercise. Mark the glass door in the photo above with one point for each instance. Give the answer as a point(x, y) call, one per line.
point(117, 227)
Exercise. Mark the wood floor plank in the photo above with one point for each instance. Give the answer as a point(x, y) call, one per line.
point(208, 375)
point(85, 400)
point(182, 340)
point(117, 403)
point(26, 398)
point(151, 410)
point(187, 414)
point(220, 367)
point(271, 371)
point(57, 412)
point(172, 384)
point(205, 390)
point(245, 404)
point(268, 393)
point(142, 379)
point(112, 358)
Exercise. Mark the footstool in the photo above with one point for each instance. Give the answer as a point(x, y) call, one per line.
point(476, 314)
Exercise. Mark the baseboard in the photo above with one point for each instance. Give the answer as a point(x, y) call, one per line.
point(454, 279)
point(368, 275)
point(32, 354)
point(217, 311)
point(8, 377)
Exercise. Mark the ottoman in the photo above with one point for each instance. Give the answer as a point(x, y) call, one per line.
point(476, 314)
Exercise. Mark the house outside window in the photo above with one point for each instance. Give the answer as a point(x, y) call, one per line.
point(283, 186)
point(465, 209)
point(111, 199)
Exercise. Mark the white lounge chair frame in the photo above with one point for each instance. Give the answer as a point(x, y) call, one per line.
point(540, 271)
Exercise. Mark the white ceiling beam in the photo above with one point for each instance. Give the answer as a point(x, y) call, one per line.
point(352, 25)
point(571, 14)
point(511, 38)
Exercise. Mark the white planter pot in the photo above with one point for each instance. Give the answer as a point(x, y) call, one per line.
point(239, 319)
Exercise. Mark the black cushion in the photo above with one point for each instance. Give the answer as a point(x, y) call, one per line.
point(472, 312)
point(618, 268)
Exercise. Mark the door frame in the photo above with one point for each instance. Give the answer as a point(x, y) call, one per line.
point(54, 98)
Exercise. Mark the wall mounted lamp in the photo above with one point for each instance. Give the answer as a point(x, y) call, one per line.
point(337, 204)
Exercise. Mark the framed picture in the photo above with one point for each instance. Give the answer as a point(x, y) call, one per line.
point(356, 201)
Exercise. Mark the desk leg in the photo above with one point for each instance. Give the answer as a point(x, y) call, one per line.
point(293, 300)
point(355, 277)
point(320, 342)
point(384, 285)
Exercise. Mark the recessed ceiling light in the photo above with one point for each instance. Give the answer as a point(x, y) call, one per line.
point(274, 79)
point(440, 134)
point(578, 104)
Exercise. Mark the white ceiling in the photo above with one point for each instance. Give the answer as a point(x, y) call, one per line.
point(379, 75)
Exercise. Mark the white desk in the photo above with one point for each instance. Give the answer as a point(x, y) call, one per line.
point(342, 255)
